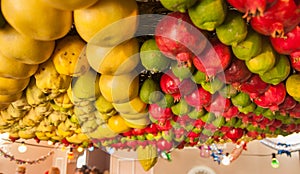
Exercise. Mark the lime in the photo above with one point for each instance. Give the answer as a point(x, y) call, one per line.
point(150, 91)
point(182, 72)
point(151, 57)
point(293, 86)
point(178, 5)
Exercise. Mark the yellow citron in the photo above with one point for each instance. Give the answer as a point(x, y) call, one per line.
point(138, 123)
point(11, 86)
point(117, 124)
point(17, 70)
point(36, 19)
point(22, 48)
point(116, 60)
point(70, 4)
point(119, 89)
point(89, 21)
point(69, 56)
point(134, 106)
point(293, 86)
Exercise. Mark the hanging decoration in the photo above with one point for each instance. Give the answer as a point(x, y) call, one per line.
point(21, 161)
point(282, 148)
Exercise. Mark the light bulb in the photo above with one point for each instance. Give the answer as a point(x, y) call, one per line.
point(274, 162)
point(80, 149)
point(50, 142)
point(226, 159)
point(22, 148)
point(91, 148)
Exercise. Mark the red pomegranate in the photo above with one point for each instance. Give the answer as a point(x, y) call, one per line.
point(295, 60)
point(198, 98)
point(273, 97)
point(277, 20)
point(287, 44)
point(254, 86)
point(178, 39)
point(215, 58)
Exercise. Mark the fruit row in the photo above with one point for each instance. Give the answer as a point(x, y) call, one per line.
point(219, 79)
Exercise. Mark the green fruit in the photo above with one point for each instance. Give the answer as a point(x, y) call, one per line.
point(219, 121)
point(238, 124)
point(86, 86)
point(196, 113)
point(269, 114)
point(208, 14)
point(249, 47)
point(233, 30)
point(264, 61)
point(181, 108)
point(279, 72)
point(228, 91)
point(247, 109)
point(167, 101)
point(213, 85)
point(208, 117)
point(151, 57)
point(259, 110)
point(102, 105)
point(241, 100)
point(150, 91)
point(178, 5)
point(182, 72)
point(231, 122)
point(207, 132)
point(199, 77)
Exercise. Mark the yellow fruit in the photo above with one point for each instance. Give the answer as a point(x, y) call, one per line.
point(69, 4)
point(119, 89)
point(5, 99)
point(22, 48)
point(91, 20)
point(11, 86)
point(293, 86)
point(69, 56)
point(135, 116)
point(49, 80)
point(134, 106)
point(17, 70)
point(102, 131)
point(117, 60)
point(36, 19)
point(117, 124)
point(138, 123)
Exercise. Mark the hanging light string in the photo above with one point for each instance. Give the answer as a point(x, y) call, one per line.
point(21, 161)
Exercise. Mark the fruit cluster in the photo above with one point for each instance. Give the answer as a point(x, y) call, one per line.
point(214, 71)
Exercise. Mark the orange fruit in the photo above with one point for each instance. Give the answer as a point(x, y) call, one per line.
point(69, 4)
point(117, 124)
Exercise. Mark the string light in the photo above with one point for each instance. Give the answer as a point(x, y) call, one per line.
point(274, 162)
point(92, 148)
point(80, 149)
point(50, 142)
point(22, 148)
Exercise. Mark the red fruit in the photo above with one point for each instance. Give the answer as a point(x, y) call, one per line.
point(273, 97)
point(234, 134)
point(215, 58)
point(152, 129)
point(170, 84)
point(198, 98)
point(277, 20)
point(252, 134)
point(163, 125)
point(288, 104)
point(164, 145)
point(265, 122)
point(251, 7)
point(295, 112)
point(137, 131)
point(218, 105)
point(178, 39)
point(224, 129)
point(289, 127)
point(254, 85)
point(295, 60)
point(287, 44)
point(199, 123)
point(237, 72)
point(233, 111)
point(257, 118)
point(276, 124)
point(158, 112)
